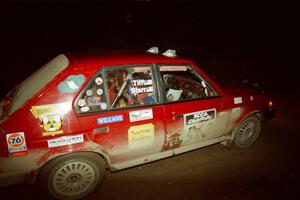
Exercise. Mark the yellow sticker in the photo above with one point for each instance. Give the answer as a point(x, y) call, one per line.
point(53, 133)
point(51, 117)
point(140, 136)
point(51, 122)
point(42, 110)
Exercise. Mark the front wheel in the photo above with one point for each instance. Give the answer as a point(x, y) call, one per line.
point(247, 132)
point(73, 176)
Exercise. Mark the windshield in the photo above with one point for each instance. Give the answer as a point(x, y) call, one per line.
point(24, 91)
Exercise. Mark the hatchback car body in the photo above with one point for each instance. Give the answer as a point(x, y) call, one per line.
point(82, 114)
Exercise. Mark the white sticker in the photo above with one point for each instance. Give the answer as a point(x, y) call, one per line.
point(103, 106)
point(198, 125)
point(100, 92)
point(98, 81)
point(140, 115)
point(72, 85)
point(66, 140)
point(84, 109)
point(16, 142)
point(238, 100)
point(81, 102)
point(89, 93)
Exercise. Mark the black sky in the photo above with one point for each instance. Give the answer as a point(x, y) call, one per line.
point(243, 38)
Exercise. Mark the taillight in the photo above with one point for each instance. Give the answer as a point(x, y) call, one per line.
point(5, 102)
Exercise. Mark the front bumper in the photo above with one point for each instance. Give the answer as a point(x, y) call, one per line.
point(270, 114)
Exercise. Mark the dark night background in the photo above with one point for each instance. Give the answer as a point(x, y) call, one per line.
point(232, 41)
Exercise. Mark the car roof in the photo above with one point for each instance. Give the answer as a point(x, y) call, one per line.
point(98, 59)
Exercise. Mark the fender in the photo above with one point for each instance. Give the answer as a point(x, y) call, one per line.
point(47, 156)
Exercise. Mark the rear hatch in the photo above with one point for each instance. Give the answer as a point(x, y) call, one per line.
point(5, 105)
point(31, 86)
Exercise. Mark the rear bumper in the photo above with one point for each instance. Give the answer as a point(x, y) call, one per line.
point(11, 178)
point(12, 171)
point(19, 169)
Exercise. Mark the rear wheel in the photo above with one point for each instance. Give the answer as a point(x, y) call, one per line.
point(247, 132)
point(73, 176)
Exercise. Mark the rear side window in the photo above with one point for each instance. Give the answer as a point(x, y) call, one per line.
point(118, 87)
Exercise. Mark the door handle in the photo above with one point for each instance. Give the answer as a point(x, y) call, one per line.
point(177, 117)
point(100, 130)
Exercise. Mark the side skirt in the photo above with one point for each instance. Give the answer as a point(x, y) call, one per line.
point(165, 154)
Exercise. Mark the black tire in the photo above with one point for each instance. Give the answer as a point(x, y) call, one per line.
point(72, 176)
point(247, 132)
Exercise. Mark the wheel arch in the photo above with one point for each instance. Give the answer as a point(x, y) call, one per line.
point(52, 155)
point(47, 171)
point(257, 113)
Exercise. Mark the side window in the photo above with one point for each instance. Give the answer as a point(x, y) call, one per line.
point(184, 83)
point(118, 87)
point(130, 86)
point(93, 99)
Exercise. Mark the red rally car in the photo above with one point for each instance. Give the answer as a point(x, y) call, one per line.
point(83, 114)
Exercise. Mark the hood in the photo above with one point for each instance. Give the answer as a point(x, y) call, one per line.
point(234, 90)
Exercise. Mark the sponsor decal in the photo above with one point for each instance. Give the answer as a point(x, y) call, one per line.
point(84, 109)
point(140, 115)
point(53, 133)
point(136, 91)
point(81, 102)
point(93, 101)
point(89, 93)
point(66, 140)
point(140, 136)
point(141, 82)
point(111, 119)
point(238, 100)
point(141, 86)
point(51, 124)
point(71, 84)
point(51, 117)
point(198, 125)
point(59, 108)
point(172, 141)
point(100, 92)
point(202, 116)
point(98, 81)
point(16, 142)
point(103, 106)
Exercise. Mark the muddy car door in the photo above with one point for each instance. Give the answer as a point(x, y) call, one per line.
point(119, 110)
point(194, 109)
